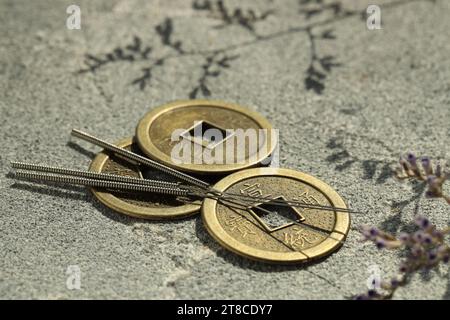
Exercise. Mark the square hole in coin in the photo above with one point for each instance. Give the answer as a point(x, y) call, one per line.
point(275, 217)
point(198, 134)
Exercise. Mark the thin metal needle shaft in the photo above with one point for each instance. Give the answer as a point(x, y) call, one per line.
point(99, 183)
point(131, 156)
point(67, 174)
point(140, 159)
point(285, 203)
point(90, 174)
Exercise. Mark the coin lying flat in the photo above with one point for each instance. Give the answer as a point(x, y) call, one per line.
point(206, 137)
point(140, 205)
point(278, 234)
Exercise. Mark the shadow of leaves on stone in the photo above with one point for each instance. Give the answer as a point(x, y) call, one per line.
point(394, 223)
point(319, 68)
point(342, 159)
point(245, 18)
point(131, 52)
point(212, 68)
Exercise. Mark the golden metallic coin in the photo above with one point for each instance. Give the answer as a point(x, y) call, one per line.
point(206, 137)
point(140, 205)
point(277, 234)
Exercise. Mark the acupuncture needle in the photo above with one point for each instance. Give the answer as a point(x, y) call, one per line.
point(283, 202)
point(131, 156)
point(64, 175)
point(132, 180)
point(140, 159)
point(99, 183)
point(72, 180)
point(294, 222)
point(104, 180)
point(90, 174)
point(287, 204)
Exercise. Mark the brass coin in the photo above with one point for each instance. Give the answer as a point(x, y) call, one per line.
point(168, 127)
point(285, 234)
point(135, 204)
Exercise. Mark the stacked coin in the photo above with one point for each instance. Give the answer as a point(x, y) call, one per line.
point(303, 235)
point(209, 156)
point(185, 124)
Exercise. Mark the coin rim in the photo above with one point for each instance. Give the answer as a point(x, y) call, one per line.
point(324, 248)
point(147, 146)
point(133, 210)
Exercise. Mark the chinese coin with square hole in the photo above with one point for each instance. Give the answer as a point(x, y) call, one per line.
point(268, 232)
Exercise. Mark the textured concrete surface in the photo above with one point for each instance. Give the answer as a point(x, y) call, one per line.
point(389, 94)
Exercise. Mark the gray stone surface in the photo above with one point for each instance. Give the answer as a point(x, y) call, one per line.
point(389, 95)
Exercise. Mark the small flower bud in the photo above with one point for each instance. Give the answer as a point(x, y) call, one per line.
point(418, 236)
point(438, 170)
point(431, 180)
point(404, 237)
point(430, 194)
point(394, 282)
point(445, 258)
point(411, 159)
point(422, 222)
point(403, 268)
point(443, 248)
point(380, 243)
point(426, 163)
point(371, 293)
point(416, 250)
point(374, 231)
point(427, 239)
point(432, 256)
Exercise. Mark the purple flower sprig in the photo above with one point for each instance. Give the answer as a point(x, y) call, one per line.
point(380, 238)
point(434, 177)
point(426, 248)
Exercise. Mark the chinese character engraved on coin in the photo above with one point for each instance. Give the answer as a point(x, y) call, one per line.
point(240, 224)
point(299, 238)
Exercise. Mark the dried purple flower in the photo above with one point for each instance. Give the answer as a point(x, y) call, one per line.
point(426, 247)
point(381, 243)
point(438, 170)
point(432, 255)
point(373, 231)
point(404, 237)
point(403, 268)
point(427, 239)
point(445, 258)
point(422, 222)
point(418, 235)
point(438, 235)
point(426, 164)
point(395, 282)
point(410, 169)
point(412, 159)
point(416, 250)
